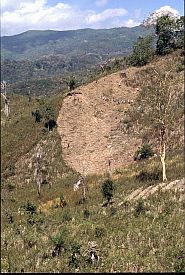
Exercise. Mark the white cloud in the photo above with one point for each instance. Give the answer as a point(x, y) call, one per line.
point(7, 5)
point(107, 14)
point(131, 23)
point(101, 3)
point(165, 10)
point(120, 22)
point(24, 15)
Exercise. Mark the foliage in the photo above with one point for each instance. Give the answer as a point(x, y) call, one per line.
point(71, 84)
point(30, 208)
point(180, 68)
point(144, 176)
point(40, 62)
point(46, 114)
point(59, 242)
point(50, 124)
point(144, 152)
point(86, 214)
point(74, 43)
point(75, 253)
point(11, 186)
point(99, 232)
point(66, 217)
point(170, 34)
point(139, 208)
point(37, 115)
point(107, 189)
point(180, 33)
point(143, 51)
point(158, 106)
point(141, 243)
point(10, 170)
point(180, 261)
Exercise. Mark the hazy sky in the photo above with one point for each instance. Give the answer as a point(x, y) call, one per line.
point(21, 15)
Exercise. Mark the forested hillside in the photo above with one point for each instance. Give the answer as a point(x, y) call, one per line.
point(35, 44)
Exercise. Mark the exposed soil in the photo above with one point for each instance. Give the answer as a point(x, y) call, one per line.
point(94, 136)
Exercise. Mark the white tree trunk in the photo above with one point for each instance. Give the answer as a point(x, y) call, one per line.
point(38, 170)
point(163, 154)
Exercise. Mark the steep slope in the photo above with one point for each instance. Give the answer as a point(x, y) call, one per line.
point(128, 235)
point(91, 124)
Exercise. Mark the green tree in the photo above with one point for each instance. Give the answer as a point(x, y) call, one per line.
point(180, 33)
point(107, 189)
point(71, 84)
point(60, 242)
point(143, 51)
point(48, 114)
point(144, 152)
point(165, 31)
point(158, 110)
point(170, 34)
point(49, 117)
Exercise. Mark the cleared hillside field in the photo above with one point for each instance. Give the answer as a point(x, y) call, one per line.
point(141, 230)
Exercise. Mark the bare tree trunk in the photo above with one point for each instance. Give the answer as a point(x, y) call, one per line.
point(83, 189)
point(7, 104)
point(163, 149)
point(38, 169)
point(39, 181)
point(7, 108)
point(163, 155)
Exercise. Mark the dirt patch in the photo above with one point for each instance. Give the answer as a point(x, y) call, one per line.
point(91, 124)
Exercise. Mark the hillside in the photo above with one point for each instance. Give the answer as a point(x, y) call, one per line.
point(92, 125)
point(35, 44)
point(58, 231)
point(41, 61)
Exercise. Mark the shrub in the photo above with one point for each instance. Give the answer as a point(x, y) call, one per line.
point(50, 124)
point(37, 115)
point(142, 51)
point(139, 208)
point(180, 262)
point(30, 240)
point(10, 218)
point(179, 68)
point(75, 253)
point(86, 214)
point(10, 170)
point(170, 34)
point(59, 242)
point(62, 201)
point(107, 189)
point(71, 84)
point(144, 152)
point(66, 216)
point(99, 232)
point(30, 208)
point(11, 186)
point(148, 176)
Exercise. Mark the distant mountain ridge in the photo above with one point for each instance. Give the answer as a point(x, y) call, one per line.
point(37, 43)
